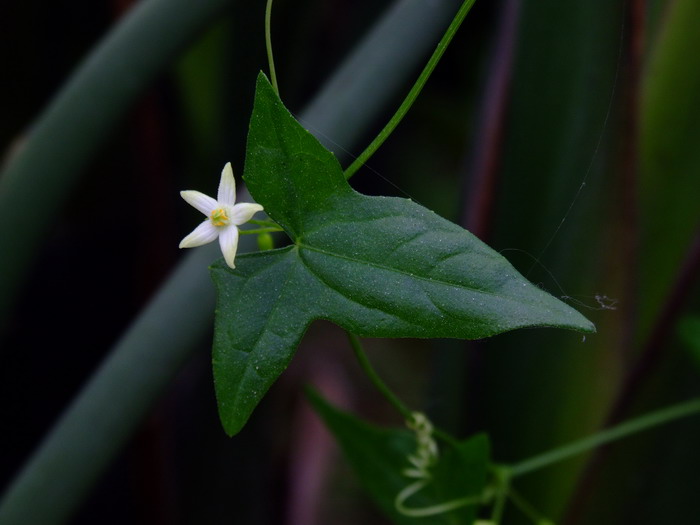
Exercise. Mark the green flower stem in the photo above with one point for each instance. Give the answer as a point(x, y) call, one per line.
point(268, 46)
point(415, 90)
point(372, 374)
point(268, 223)
point(79, 444)
point(79, 120)
point(260, 230)
point(620, 431)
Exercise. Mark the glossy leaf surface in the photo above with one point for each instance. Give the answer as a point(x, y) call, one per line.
point(377, 266)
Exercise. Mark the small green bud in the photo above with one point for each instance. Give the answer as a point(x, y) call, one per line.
point(265, 242)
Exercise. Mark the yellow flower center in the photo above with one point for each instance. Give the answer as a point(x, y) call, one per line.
point(219, 218)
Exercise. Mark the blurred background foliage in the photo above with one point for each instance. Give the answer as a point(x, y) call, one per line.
point(563, 133)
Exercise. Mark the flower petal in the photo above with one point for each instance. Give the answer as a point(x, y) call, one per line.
point(203, 203)
point(202, 234)
point(228, 240)
point(227, 186)
point(243, 212)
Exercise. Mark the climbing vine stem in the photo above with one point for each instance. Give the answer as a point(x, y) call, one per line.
point(659, 417)
point(268, 45)
point(415, 90)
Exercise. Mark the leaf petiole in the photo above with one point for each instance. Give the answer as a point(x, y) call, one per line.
point(374, 377)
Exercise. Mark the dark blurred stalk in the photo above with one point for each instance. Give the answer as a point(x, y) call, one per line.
point(655, 348)
point(458, 372)
point(670, 157)
point(152, 173)
point(538, 385)
point(105, 413)
point(481, 171)
point(633, 59)
point(58, 146)
point(638, 376)
point(628, 188)
point(153, 350)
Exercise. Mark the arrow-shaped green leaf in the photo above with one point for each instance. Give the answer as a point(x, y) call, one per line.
point(377, 266)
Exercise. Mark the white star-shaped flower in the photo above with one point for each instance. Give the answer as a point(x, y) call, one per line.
point(223, 216)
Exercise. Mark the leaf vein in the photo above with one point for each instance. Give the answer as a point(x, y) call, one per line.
point(408, 274)
point(328, 286)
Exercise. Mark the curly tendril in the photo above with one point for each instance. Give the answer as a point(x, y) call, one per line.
point(425, 456)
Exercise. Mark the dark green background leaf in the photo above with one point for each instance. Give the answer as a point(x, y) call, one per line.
point(689, 330)
point(670, 157)
point(378, 456)
point(377, 266)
